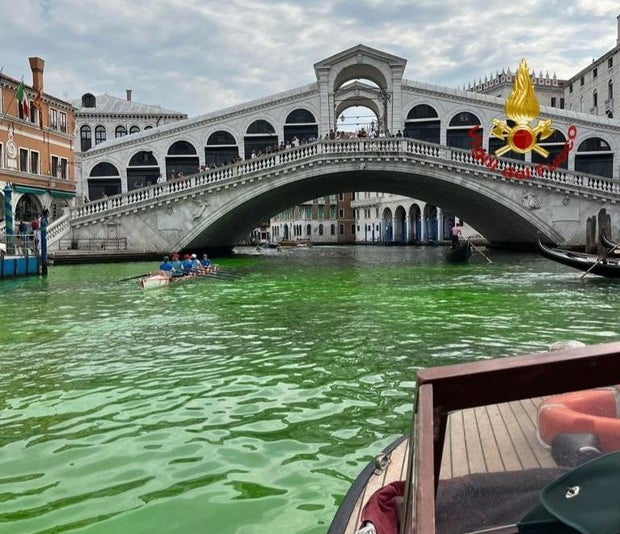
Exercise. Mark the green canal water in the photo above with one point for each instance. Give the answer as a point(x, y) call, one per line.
point(247, 403)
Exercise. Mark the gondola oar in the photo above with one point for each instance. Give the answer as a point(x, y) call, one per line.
point(599, 260)
point(480, 252)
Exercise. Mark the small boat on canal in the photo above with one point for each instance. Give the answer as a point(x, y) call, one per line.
point(607, 264)
point(159, 279)
point(460, 253)
point(478, 456)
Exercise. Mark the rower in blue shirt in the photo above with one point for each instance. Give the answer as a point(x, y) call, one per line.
point(166, 267)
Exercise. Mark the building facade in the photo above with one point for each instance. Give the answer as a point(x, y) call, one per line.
point(36, 147)
point(104, 117)
point(592, 89)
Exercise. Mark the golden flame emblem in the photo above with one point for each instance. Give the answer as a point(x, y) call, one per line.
point(522, 108)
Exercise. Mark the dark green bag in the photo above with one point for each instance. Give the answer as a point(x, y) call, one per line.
point(585, 500)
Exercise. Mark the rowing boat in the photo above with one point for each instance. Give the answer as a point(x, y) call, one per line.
point(160, 279)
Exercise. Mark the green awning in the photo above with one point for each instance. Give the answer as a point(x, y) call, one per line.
point(63, 194)
point(29, 190)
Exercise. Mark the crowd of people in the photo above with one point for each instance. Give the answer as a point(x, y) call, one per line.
point(189, 265)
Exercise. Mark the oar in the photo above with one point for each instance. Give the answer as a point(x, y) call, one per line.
point(480, 252)
point(599, 260)
point(133, 277)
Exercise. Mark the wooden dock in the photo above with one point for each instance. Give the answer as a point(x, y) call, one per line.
point(487, 439)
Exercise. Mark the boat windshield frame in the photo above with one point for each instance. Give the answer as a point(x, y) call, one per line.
point(441, 390)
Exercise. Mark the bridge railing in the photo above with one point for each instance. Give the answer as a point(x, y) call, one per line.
point(356, 146)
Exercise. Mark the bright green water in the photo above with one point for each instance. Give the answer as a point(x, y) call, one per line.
point(247, 404)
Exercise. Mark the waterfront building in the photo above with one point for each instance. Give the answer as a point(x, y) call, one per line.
point(99, 118)
point(592, 89)
point(36, 147)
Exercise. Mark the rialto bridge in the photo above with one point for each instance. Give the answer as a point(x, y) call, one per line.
point(251, 174)
point(216, 208)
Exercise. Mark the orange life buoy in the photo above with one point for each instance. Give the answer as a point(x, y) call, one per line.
point(594, 411)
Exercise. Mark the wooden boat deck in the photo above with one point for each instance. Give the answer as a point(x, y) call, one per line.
point(487, 439)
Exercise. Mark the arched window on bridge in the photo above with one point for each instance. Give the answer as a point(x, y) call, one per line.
point(104, 180)
point(457, 135)
point(86, 138)
point(260, 137)
point(302, 124)
point(221, 149)
point(143, 170)
point(134, 129)
point(182, 157)
point(423, 123)
point(120, 131)
point(554, 145)
point(594, 156)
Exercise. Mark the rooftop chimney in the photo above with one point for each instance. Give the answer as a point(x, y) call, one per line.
point(128, 95)
point(36, 66)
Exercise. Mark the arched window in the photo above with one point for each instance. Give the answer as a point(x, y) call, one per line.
point(134, 129)
point(86, 140)
point(423, 123)
point(594, 156)
point(182, 157)
point(99, 134)
point(457, 134)
point(120, 131)
point(103, 180)
point(221, 149)
point(594, 99)
point(302, 124)
point(260, 137)
point(142, 158)
point(104, 169)
point(181, 148)
point(260, 127)
point(143, 170)
point(308, 230)
point(89, 100)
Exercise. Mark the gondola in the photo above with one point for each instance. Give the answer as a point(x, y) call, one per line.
point(610, 245)
point(606, 265)
point(459, 254)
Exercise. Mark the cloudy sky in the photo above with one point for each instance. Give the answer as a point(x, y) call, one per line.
point(197, 56)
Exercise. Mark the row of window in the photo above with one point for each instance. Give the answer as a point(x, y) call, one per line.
point(101, 134)
point(30, 161)
point(582, 79)
point(299, 118)
point(57, 119)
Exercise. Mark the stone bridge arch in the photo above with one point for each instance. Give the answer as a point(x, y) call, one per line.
point(503, 218)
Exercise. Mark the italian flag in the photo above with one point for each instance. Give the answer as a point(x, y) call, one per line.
point(24, 104)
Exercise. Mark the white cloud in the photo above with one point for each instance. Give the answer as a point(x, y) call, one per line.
point(197, 56)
